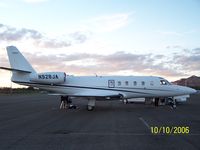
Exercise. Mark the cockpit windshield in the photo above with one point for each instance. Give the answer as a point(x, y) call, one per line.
point(164, 82)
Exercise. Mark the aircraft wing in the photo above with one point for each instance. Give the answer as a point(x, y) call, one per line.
point(98, 94)
point(106, 94)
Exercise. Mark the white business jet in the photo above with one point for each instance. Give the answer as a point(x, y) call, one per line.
point(92, 87)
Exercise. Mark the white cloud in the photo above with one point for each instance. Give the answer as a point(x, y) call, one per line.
point(108, 23)
point(176, 33)
point(85, 63)
point(118, 63)
point(170, 33)
point(11, 34)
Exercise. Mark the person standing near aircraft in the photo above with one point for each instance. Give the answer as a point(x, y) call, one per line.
point(66, 102)
point(63, 103)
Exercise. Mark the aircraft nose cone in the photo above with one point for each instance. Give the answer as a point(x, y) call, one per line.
point(193, 91)
point(183, 90)
point(190, 90)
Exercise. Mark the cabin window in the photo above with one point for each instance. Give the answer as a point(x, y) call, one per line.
point(151, 83)
point(126, 83)
point(119, 83)
point(134, 83)
point(111, 83)
point(143, 83)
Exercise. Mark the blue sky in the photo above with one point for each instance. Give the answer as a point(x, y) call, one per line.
point(159, 35)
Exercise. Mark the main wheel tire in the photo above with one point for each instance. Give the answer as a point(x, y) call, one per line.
point(90, 108)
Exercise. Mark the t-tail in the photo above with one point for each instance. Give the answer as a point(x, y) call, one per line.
point(20, 67)
point(23, 73)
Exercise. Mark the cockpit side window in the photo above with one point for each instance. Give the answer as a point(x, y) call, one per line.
point(164, 82)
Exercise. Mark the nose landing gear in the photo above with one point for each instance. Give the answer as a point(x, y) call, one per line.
point(172, 102)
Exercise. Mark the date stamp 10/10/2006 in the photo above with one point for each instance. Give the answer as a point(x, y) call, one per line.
point(170, 130)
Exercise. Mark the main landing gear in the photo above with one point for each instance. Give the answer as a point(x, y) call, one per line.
point(91, 104)
point(63, 102)
point(170, 101)
point(66, 102)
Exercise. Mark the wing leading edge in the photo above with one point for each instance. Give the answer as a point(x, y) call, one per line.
point(101, 94)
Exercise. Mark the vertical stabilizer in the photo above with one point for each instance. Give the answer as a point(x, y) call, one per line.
point(21, 68)
point(17, 60)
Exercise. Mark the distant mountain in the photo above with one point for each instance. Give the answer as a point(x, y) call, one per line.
point(193, 81)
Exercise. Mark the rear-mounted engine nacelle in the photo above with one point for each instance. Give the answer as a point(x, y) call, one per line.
point(49, 77)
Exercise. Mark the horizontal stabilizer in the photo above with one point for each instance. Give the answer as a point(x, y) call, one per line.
point(12, 69)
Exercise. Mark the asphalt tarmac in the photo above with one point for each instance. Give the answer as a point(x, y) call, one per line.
point(35, 122)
